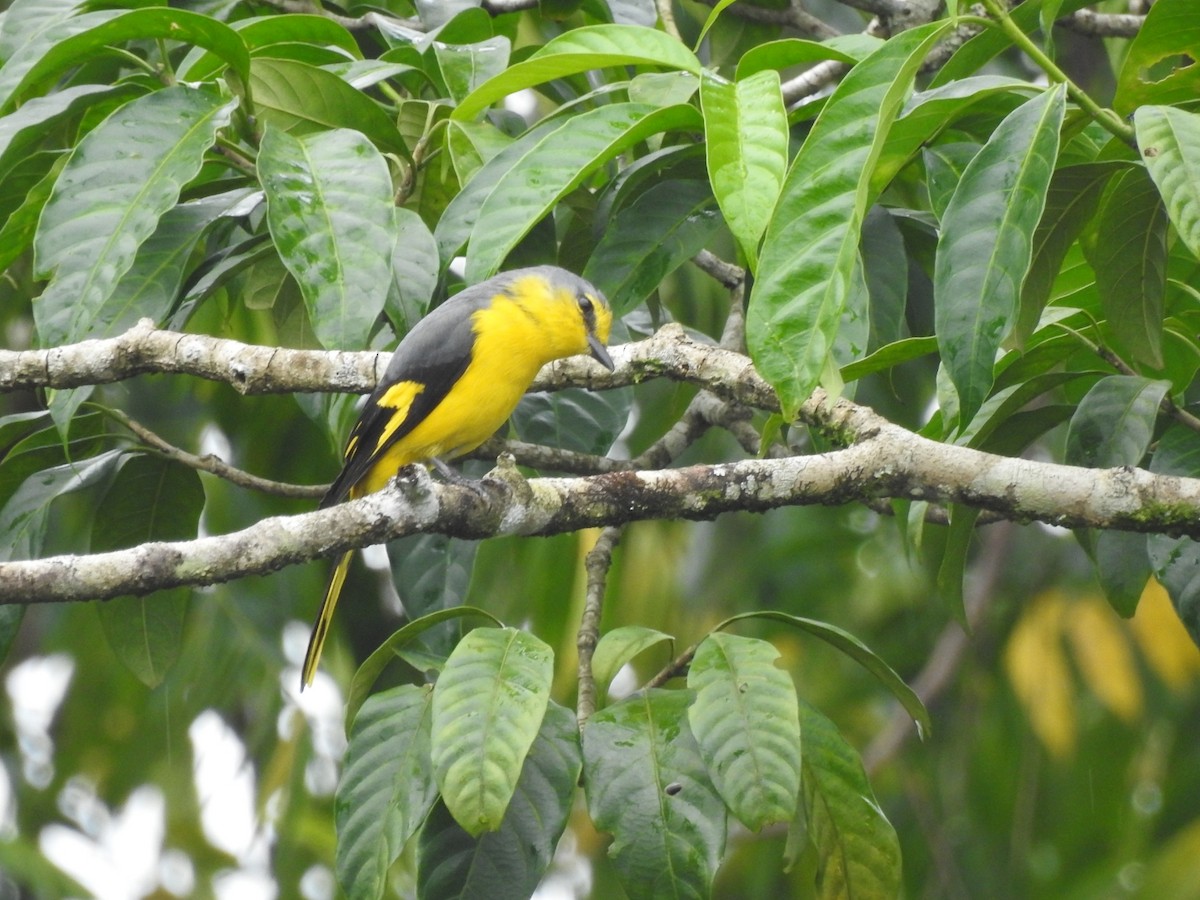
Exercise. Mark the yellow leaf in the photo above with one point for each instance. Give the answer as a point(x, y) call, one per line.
point(1104, 657)
point(1163, 639)
point(1036, 663)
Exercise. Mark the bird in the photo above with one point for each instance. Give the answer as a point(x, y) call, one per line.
point(454, 379)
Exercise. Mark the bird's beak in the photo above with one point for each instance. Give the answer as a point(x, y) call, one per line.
point(599, 353)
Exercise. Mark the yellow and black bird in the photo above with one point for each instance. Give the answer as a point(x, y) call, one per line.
point(455, 379)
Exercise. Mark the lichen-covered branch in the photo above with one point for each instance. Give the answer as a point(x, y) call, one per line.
point(886, 461)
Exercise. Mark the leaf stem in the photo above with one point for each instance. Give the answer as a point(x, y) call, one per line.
point(1108, 119)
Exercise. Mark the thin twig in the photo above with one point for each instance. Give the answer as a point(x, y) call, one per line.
point(214, 465)
point(597, 566)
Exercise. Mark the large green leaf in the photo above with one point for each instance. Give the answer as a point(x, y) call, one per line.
point(746, 140)
point(1170, 143)
point(466, 67)
point(1168, 37)
point(579, 50)
point(578, 420)
point(647, 785)
point(386, 789)
point(926, 114)
point(24, 516)
point(415, 267)
point(986, 241)
point(24, 129)
point(488, 704)
point(1114, 423)
point(810, 250)
point(788, 52)
point(856, 650)
point(151, 499)
point(301, 99)
point(747, 726)
point(551, 169)
point(1072, 198)
point(329, 208)
point(261, 34)
point(1129, 256)
point(122, 177)
point(372, 667)
point(508, 863)
point(20, 224)
point(151, 286)
point(651, 237)
point(618, 647)
point(1113, 426)
point(24, 20)
point(40, 61)
point(858, 852)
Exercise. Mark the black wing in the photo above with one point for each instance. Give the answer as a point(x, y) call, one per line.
point(435, 354)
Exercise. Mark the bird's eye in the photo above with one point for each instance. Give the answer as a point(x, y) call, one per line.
point(585, 303)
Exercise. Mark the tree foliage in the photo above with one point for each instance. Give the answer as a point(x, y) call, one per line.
point(855, 254)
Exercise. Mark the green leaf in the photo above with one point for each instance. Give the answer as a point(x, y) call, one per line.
point(122, 177)
point(261, 34)
point(858, 852)
point(24, 20)
point(647, 785)
point(746, 723)
point(302, 99)
point(580, 50)
point(578, 420)
point(39, 62)
point(1122, 562)
point(1168, 37)
point(746, 139)
point(415, 267)
point(386, 789)
point(887, 357)
point(944, 167)
point(458, 219)
point(551, 169)
point(985, 246)
point(508, 863)
point(1129, 256)
point(926, 114)
point(857, 651)
point(20, 225)
point(329, 208)
point(1169, 140)
point(151, 286)
point(618, 647)
point(1176, 560)
point(788, 52)
point(372, 667)
point(487, 707)
point(1114, 423)
point(810, 250)
point(885, 270)
point(24, 516)
point(953, 567)
point(23, 130)
point(465, 67)
point(432, 572)
point(650, 238)
point(990, 42)
point(151, 499)
point(1071, 200)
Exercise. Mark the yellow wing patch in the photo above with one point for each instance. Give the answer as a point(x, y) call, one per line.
point(398, 397)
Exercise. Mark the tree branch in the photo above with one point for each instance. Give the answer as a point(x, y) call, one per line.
point(888, 461)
